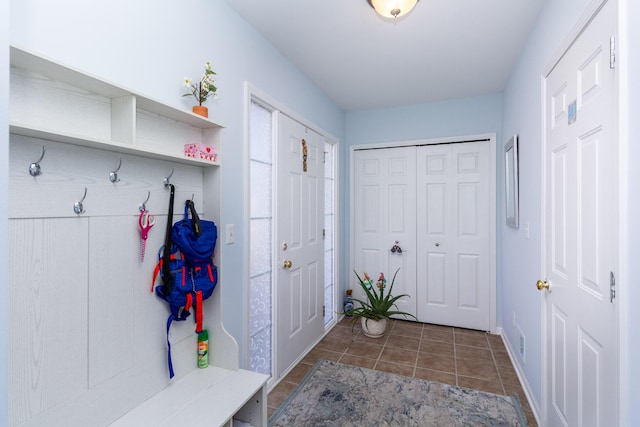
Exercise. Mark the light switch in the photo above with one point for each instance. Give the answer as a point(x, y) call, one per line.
point(526, 230)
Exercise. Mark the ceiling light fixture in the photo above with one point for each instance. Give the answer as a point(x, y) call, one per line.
point(392, 8)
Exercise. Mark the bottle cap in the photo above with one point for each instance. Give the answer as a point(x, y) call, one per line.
point(203, 336)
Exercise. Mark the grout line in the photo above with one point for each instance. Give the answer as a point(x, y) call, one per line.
point(455, 356)
point(495, 365)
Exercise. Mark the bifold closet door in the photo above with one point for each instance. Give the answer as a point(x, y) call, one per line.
point(385, 215)
point(453, 241)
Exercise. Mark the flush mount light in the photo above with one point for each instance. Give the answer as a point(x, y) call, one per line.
point(392, 8)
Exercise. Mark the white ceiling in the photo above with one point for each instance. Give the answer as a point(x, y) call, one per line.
point(443, 49)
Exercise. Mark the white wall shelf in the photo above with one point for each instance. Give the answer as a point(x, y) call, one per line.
point(52, 101)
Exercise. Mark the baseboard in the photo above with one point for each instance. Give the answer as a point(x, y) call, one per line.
point(533, 403)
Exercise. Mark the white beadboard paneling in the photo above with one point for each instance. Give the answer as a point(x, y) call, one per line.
point(48, 330)
point(113, 258)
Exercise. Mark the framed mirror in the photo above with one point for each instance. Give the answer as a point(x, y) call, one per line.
point(511, 181)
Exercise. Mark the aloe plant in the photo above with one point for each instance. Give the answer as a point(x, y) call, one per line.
point(378, 305)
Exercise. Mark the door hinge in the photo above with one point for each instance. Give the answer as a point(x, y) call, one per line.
point(612, 287)
point(324, 233)
point(323, 310)
point(612, 52)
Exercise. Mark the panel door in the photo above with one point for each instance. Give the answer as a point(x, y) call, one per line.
point(384, 212)
point(300, 247)
point(581, 199)
point(453, 242)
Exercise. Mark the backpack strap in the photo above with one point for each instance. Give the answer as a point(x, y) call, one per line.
point(195, 219)
point(198, 307)
point(169, 363)
point(166, 274)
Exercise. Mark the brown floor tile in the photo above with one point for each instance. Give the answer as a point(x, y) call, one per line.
point(477, 368)
point(320, 353)
point(469, 352)
point(270, 411)
point(436, 362)
point(379, 341)
point(437, 376)
point(363, 362)
point(407, 329)
point(399, 356)
point(508, 375)
point(437, 327)
point(342, 333)
point(406, 342)
point(334, 344)
point(472, 340)
point(502, 358)
point(394, 368)
point(280, 393)
point(364, 349)
point(496, 343)
point(462, 357)
point(478, 384)
point(437, 347)
point(531, 420)
point(437, 335)
point(298, 373)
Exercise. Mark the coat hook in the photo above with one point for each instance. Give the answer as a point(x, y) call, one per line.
point(166, 179)
point(113, 176)
point(143, 205)
point(34, 168)
point(77, 207)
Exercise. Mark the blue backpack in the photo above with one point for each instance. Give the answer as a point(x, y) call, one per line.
point(186, 267)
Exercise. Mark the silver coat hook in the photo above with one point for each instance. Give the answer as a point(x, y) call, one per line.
point(113, 176)
point(34, 168)
point(143, 205)
point(166, 179)
point(77, 207)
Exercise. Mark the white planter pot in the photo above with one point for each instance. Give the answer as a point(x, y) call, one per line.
point(373, 328)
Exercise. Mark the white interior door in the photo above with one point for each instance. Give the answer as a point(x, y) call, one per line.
point(581, 208)
point(300, 247)
point(385, 209)
point(453, 241)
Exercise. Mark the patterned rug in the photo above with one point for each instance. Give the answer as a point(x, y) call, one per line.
point(334, 394)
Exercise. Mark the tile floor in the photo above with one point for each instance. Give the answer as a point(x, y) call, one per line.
point(462, 357)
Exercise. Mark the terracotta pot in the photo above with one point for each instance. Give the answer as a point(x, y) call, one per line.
point(199, 109)
point(373, 328)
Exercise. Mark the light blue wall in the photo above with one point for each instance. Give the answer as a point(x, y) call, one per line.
point(150, 47)
point(455, 117)
point(4, 211)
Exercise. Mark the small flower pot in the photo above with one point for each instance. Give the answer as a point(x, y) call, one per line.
point(373, 328)
point(200, 110)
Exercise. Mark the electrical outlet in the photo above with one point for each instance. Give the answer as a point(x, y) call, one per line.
point(514, 319)
point(229, 238)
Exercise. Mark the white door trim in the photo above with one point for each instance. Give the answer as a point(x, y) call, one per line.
point(492, 177)
point(585, 19)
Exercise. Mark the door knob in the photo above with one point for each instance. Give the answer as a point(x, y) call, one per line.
point(542, 284)
point(287, 264)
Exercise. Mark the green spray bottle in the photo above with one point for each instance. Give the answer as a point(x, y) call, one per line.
point(203, 349)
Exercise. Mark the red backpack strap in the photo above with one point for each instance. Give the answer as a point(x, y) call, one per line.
point(198, 311)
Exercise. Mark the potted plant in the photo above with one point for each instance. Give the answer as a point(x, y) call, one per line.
point(378, 307)
point(202, 89)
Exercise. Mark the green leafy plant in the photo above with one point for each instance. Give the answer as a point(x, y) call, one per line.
point(378, 304)
point(204, 88)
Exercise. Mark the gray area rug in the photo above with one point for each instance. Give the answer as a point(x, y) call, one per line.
point(334, 394)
